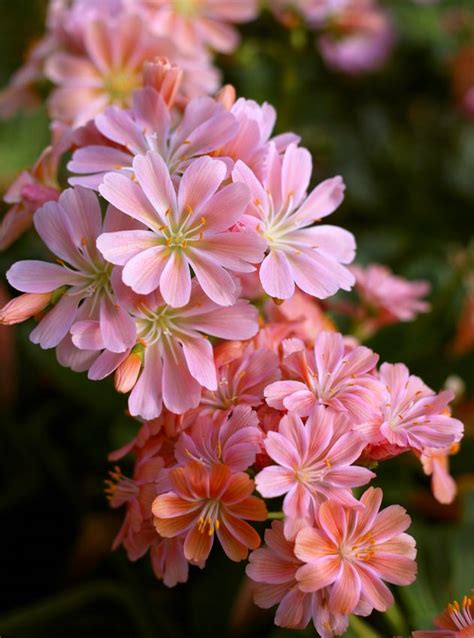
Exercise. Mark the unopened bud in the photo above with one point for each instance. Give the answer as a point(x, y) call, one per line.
point(128, 371)
point(23, 307)
point(166, 78)
point(227, 96)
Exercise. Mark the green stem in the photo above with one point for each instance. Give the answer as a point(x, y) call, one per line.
point(275, 516)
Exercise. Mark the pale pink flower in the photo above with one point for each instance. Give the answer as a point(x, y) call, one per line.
point(80, 282)
point(115, 50)
point(413, 416)
point(353, 551)
point(235, 442)
point(205, 501)
point(149, 125)
point(314, 463)
point(389, 297)
point(273, 568)
point(359, 38)
point(311, 257)
point(243, 373)
point(195, 24)
point(177, 359)
point(334, 376)
point(185, 229)
point(435, 463)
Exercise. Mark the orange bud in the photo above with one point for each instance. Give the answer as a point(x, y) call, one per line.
point(127, 373)
point(23, 307)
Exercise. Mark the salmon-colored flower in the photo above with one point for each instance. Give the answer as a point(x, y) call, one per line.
point(273, 568)
point(457, 621)
point(204, 502)
point(353, 551)
point(234, 442)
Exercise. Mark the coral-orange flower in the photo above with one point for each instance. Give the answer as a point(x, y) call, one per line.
point(207, 500)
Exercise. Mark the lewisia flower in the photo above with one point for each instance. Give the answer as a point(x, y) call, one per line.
point(457, 621)
point(177, 361)
point(242, 375)
point(389, 297)
point(334, 376)
point(311, 257)
point(314, 463)
point(80, 282)
point(413, 416)
point(352, 551)
point(187, 229)
point(359, 37)
point(149, 125)
point(235, 442)
point(273, 568)
point(206, 501)
point(115, 50)
point(195, 24)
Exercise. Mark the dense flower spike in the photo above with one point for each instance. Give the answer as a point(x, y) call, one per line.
point(298, 253)
point(204, 502)
point(353, 551)
point(187, 229)
point(191, 265)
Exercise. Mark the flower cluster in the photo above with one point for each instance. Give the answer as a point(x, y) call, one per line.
point(188, 260)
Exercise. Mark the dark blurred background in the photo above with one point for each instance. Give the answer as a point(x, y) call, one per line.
point(406, 151)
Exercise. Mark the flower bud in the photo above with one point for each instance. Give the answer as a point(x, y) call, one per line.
point(127, 373)
point(23, 307)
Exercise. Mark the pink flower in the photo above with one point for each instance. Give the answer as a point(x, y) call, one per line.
point(352, 551)
point(187, 229)
point(274, 568)
point(436, 464)
point(205, 501)
point(80, 283)
point(235, 442)
point(311, 257)
point(334, 376)
point(195, 24)
point(243, 373)
point(360, 37)
point(314, 463)
point(149, 125)
point(177, 359)
point(388, 297)
point(115, 50)
point(413, 416)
